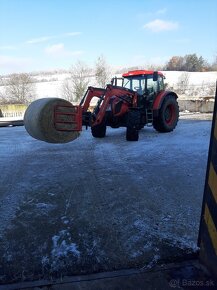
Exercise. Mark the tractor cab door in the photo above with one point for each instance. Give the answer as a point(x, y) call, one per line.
point(154, 86)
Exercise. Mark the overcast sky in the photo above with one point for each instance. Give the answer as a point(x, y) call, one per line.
point(49, 34)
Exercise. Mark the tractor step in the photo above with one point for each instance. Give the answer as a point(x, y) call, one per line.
point(68, 118)
point(149, 117)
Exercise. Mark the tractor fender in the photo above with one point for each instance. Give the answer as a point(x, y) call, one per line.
point(159, 100)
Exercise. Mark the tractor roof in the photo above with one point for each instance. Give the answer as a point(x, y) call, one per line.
point(139, 72)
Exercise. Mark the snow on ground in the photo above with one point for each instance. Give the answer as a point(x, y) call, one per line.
point(8, 119)
point(99, 204)
point(195, 78)
point(49, 89)
point(61, 248)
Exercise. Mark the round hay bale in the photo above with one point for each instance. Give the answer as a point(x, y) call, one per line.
point(39, 121)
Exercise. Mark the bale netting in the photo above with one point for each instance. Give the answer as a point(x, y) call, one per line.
point(39, 121)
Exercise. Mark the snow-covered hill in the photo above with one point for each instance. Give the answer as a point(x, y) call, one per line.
point(199, 84)
point(195, 84)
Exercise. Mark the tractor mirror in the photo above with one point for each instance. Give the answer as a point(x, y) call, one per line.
point(155, 76)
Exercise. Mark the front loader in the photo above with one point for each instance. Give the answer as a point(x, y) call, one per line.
point(136, 100)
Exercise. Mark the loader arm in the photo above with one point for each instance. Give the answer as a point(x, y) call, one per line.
point(90, 93)
point(108, 94)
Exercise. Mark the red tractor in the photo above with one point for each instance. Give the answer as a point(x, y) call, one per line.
point(136, 100)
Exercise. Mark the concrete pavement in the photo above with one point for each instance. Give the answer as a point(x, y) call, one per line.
point(189, 274)
point(99, 205)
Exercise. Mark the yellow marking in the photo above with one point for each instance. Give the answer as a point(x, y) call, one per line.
point(212, 181)
point(215, 129)
point(211, 228)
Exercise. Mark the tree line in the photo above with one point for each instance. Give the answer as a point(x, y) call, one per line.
point(21, 88)
point(190, 63)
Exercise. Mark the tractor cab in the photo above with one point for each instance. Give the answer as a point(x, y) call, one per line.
point(145, 83)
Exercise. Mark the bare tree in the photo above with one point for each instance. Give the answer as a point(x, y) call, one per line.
point(175, 63)
point(1, 91)
point(20, 88)
point(214, 64)
point(67, 90)
point(102, 72)
point(2, 98)
point(74, 88)
point(80, 78)
point(183, 82)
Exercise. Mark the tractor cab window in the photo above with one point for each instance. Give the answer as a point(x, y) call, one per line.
point(136, 84)
point(152, 86)
point(155, 86)
point(144, 84)
point(161, 83)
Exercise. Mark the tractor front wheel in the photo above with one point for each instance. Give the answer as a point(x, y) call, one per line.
point(132, 134)
point(168, 115)
point(99, 131)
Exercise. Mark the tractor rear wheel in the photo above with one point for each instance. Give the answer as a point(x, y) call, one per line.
point(99, 131)
point(168, 115)
point(132, 134)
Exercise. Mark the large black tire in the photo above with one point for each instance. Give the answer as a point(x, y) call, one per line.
point(168, 115)
point(133, 124)
point(132, 134)
point(99, 131)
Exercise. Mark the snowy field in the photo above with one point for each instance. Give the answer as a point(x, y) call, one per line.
point(200, 84)
point(99, 204)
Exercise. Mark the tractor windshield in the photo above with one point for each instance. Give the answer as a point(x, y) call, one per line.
point(135, 83)
point(143, 84)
